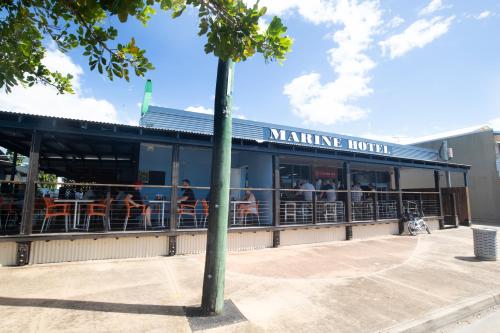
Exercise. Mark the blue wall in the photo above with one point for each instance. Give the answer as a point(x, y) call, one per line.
point(155, 158)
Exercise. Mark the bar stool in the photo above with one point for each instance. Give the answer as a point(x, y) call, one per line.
point(330, 211)
point(290, 210)
point(307, 211)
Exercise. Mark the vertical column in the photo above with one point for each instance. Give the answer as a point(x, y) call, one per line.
point(276, 191)
point(314, 217)
point(172, 245)
point(276, 199)
point(397, 182)
point(14, 167)
point(466, 185)
point(23, 253)
point(375, 206)
point(31, 178)
point(175, 184)
point(437, 188)
point(347, 181)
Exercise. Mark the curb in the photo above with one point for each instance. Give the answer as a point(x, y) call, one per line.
point(440, 318)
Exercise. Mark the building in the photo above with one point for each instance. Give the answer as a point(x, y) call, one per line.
point(119, 183)
point(480, 148)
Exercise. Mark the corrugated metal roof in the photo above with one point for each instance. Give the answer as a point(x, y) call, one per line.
point(192, 122)
point(178, 121)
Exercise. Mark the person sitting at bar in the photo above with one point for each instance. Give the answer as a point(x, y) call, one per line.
point(134, 198)
point(356, 196)
point(188, 197)
point(249, 207)
point(329, 191)
point(307, 190)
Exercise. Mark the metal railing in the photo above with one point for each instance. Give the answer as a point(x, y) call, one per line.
point(11, 206)
point(425, 202)
point(84, 207)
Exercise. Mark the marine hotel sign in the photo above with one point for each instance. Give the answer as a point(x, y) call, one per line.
point(327, 141)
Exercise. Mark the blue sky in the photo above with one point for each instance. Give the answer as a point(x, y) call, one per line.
point(382, 69)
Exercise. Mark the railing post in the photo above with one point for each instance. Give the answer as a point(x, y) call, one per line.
point(276, 191)
point(376, 214)
point(314, 221)
point(397, 180)
point(347, 181)
point(31, 178)
point(175, 183)
point(437, 188)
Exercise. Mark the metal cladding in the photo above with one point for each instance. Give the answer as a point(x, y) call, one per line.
point(198, 123)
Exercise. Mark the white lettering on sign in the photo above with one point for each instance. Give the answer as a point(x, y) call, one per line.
point(327, 141)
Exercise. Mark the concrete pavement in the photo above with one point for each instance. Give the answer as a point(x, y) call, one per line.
point(350, 286)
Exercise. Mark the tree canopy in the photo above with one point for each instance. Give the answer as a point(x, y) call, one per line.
point(231, 29)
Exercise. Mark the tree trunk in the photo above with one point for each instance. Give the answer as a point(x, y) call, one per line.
point(212, 302)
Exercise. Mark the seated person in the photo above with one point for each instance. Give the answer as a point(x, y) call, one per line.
point(307, 190)
point(356, 195)
point(135, 200)
point(329, 194)
point(187, 197)
point(247, 208)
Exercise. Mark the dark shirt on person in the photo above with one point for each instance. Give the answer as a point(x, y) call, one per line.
point(189, 194)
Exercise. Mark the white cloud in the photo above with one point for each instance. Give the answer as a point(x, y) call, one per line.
point(200, 109)
point(483, 15)
point(432, 7)
point(395, 22)
point(401, 139)
point(316, 11)
point(333, 101)
point(418, 34)
point(44, 100)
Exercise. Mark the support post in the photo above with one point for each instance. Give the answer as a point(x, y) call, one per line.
point(467, 222)
point(276, 189)
point(397, 181)
point(437, 188)
point(31, 178)
point(14, 167)
point(23, 253)
point(347, 181)
point(172, 245)
point(175, 184)
point(276, 238)
point(212, 302)
point(375, 206)
point(314, 217)
point(448, 179)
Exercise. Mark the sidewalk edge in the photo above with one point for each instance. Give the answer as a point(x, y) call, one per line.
point(438, 319)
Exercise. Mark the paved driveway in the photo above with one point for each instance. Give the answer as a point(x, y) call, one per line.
point(350, 286)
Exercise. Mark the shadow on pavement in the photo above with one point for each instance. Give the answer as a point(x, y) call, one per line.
point(470, 259)
point(167, 310)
